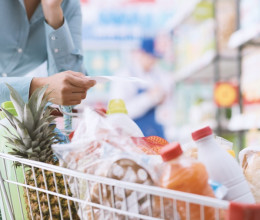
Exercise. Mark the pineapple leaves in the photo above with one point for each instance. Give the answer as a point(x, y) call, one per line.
point(22, 132)
point(35, 132)
point(36, 99)
point(28, 119)
point(9, 116)
point(41, 108)
point(8, 131)
point(17, 101)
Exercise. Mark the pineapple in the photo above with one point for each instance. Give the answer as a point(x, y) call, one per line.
point(35, 135)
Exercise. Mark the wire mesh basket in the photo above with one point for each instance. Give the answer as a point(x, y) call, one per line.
point(26, 194)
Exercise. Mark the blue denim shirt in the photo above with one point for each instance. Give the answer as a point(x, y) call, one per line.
point(25, 44)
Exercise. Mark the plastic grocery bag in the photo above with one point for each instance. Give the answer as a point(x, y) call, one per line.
point(100, 149)
point(250, 161)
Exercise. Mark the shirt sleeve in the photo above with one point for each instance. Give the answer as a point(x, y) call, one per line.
point(64, 44)
point(20, 84)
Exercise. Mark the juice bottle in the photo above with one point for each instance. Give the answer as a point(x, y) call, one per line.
point(117, 115)
point(185, 174)
point(222, 167)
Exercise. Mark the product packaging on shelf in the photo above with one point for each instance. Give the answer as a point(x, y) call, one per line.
point(222, 167)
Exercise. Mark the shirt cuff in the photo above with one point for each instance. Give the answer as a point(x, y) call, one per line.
point(20, 84)
point(60, 40)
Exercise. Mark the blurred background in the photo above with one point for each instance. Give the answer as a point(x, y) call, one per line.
point(210, 53)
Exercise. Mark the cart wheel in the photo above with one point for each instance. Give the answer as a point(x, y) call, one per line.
point(238, 211)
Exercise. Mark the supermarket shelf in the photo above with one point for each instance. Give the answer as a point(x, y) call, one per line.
point(244, 122)
point(181, 16)
point(187, 72)
point(243, 36)
point(110, 44)
point(203, 69)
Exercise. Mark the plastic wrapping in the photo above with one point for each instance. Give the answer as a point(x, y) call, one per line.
point(250, 161)
point(98, 148)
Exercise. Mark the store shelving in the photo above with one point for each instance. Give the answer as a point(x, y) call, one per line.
point(181, 15)
point(196, 66)
point(203, 68)
point(110, 45)
point(243, 36)
point(244, 122)
point(217, 64)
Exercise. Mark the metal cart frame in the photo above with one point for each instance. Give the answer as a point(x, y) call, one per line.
point(147, 192)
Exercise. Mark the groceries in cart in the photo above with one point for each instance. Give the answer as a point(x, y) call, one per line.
point(112, 146)
point(187, 175)
point(250, 162)
point(28, 133)
point(222, 167)
point(101, 149)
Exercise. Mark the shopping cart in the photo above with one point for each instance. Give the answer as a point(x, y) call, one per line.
point(13, 186)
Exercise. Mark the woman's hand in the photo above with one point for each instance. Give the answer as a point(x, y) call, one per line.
point(53, 12)
point(67, 88)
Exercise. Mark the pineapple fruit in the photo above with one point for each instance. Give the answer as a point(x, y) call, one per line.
point(35, 135)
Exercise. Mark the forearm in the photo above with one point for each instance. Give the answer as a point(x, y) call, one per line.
point(36, 83)
point(21, 84)
point(53, 14)
point(64, 45)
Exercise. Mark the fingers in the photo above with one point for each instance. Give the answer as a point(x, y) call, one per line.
point(72, 88)
point(78, 74)
point(76, 96)
point(81, 82)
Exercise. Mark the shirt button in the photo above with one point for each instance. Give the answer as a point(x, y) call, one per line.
point(19, 50)
point(56, 50)
point(4, 75)
point(53, 37)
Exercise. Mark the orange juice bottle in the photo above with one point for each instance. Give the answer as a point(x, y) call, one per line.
point(185, 174)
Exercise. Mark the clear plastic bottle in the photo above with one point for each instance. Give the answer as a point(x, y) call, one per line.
point(188, 175)
point(222, 167)
point(117, 115)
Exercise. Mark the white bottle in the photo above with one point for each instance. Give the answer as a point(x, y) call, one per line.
point(222, 167)
point(117, 115)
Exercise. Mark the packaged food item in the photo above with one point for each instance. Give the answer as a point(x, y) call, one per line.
point(222, 167)
point(117, 115)
point(250, 161)
point(126, 169)
point(150, 145)
point(187, 175)
point(100, 149)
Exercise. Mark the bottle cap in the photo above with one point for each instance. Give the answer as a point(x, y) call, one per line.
point(171, 151)
point(9, 107)
point(116, 106)
point(201, 133)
